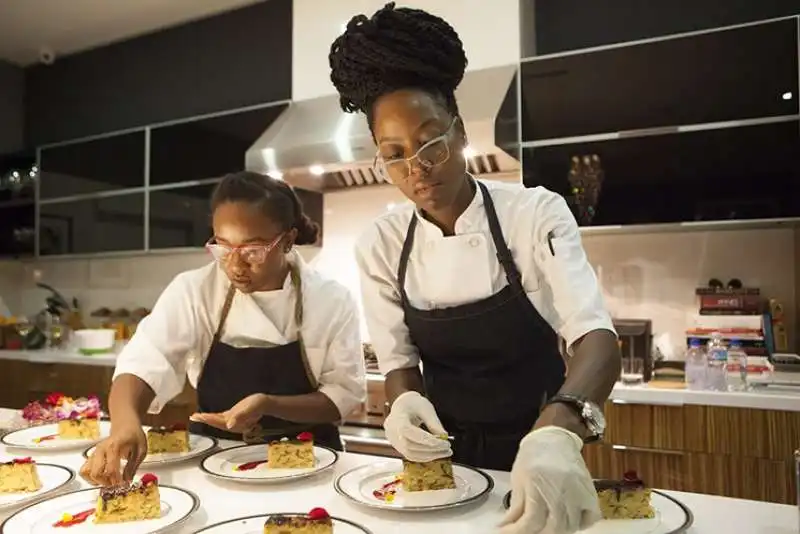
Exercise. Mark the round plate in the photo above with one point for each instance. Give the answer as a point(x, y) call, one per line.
point(254, 524)
point(198, 445)
point(358, 484)
point(221, 465)
point(672, 517)
point(176, 506)
point(53, 478)
point(24, 438)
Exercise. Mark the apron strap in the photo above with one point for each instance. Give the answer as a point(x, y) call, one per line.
point(294, 272)
point(226, 308)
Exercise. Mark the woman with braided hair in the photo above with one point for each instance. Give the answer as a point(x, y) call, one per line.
point(271, 346)
point(475, 280)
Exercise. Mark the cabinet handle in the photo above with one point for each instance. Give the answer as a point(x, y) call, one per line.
point(648, 450)
point(648, 403)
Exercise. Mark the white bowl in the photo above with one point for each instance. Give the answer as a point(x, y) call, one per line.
point(94, 340)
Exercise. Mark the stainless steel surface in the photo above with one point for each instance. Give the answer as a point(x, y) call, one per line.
point(317, 133)
point(797, 483)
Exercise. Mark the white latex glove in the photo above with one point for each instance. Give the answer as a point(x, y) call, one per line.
point(552, 491)
point(408, 412)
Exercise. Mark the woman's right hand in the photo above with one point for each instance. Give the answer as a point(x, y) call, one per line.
point(126, 442)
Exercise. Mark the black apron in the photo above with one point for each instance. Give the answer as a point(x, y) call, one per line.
point(230, 374)
point(489, 365)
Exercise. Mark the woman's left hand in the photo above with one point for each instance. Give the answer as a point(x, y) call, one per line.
point(244, 415)
point(551, 489)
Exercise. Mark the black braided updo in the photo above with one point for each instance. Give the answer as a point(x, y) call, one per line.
point(396, 48)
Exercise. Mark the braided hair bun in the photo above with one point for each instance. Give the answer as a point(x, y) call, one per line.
point(396, 48)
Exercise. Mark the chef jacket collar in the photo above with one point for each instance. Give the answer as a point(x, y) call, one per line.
point(466, 222)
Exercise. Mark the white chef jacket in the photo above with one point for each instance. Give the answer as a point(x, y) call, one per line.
point(173, 341)
point(450, 271)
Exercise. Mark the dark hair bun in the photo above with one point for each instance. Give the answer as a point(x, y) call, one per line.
point(307, 231)
point(396, 48)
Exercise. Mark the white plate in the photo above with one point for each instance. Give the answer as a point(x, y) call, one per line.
point(24, 438)
point(358, 485)
point(198, 445)
point(254, 524)
point(221, 465)
point(176, 507)
point(672, 517)
point(53, 477)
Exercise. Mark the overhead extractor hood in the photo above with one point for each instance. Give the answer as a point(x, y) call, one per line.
point(313, 144)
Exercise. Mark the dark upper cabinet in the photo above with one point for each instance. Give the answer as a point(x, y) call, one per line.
point(574, 24)
point(750, 172)
point(17, 228)
point(206, 148)
point(180, 217)
point(744, 73)
point(102, 164)
point(108, 224)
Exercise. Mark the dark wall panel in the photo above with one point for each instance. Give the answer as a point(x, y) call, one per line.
point(12, 84)
point(573, 24)
point(236, 59)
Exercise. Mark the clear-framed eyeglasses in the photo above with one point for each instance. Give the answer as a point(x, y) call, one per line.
point(252, 254)
point(433, 153)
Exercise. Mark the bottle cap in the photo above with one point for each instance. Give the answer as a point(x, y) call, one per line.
point(694, 342)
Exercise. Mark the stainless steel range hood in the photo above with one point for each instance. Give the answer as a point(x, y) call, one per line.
point(315, 145)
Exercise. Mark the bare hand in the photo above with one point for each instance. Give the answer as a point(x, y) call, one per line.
point(126, 442)
point(242, 417)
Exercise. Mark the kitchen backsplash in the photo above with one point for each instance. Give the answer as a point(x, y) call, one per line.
point(643, 275)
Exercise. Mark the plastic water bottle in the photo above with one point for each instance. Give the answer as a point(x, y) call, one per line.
point(696, 365)
point(737, 367)
point(717, 354)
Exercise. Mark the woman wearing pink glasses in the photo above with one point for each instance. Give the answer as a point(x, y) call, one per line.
point(271, 346)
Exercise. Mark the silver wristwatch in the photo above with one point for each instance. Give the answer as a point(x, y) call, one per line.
point(590, 412)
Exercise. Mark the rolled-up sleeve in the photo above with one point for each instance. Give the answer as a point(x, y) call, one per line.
point(157, 353)
point(383, 312)
point(576, 306)
point(343, 377)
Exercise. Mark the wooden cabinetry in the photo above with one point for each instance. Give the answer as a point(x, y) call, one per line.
point(734, 452)
point(22, 381)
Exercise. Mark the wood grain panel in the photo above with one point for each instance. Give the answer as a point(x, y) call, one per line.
point(658, 469)
point(743, 478)
point(694, 428)
point(768, 434)
point(644, 425)
point(14, 383)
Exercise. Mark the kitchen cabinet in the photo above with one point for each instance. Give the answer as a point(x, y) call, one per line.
point(206, 148)
point(712, 175)
point(575, 24)
point(17, 228)
point(733, 452)
point(179, 217)
point(22, 381)
point(678, 81)
point(91, 225)
point(97, 165)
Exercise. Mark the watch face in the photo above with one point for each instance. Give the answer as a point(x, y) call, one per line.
point(594, 417)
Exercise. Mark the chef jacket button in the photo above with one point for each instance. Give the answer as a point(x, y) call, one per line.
point(474, 242)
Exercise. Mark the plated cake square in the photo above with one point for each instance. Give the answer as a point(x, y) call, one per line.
point(79, 428)
point(174, 438)
point(297, 453)
point(317, 521)
point(135, 502)
point(19, 476)
point(77, 418)
point(428, 476)
point(628, 498)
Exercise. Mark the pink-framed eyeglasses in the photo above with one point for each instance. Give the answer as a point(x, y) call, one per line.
point(252, 254)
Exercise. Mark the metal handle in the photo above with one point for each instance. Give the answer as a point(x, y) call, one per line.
point(648, 450)
point(647, 403)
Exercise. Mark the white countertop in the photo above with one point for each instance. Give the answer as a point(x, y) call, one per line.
point(762, 398)
point(59, 356)
point(225, 500)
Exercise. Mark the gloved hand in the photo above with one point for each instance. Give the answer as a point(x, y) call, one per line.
point(408, 412)
point(552, 491)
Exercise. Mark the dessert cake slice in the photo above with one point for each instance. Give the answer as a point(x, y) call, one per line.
point(135, 502)
point(628, 498)
point(78, 427)
point(427, 476)
point(295, 453)
point(317, 521)
point(162, 439)
point(19, 476)
point(77, 418)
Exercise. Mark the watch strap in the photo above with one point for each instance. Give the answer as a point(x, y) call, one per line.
point(577, 404)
